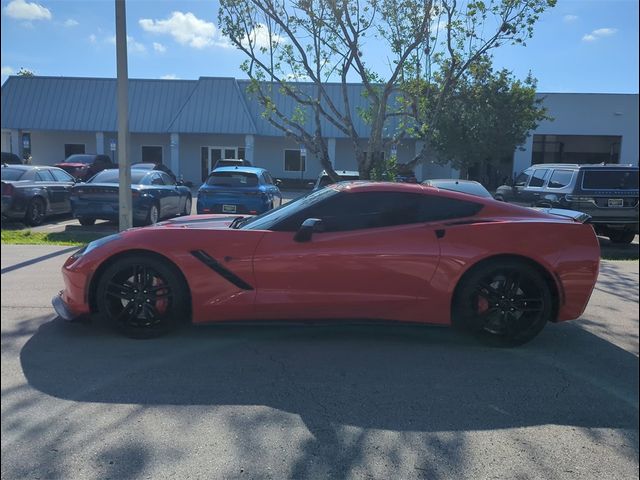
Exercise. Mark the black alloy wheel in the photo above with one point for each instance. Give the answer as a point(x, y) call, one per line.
point(142, 297)
point(86, 221)
point(35, 212)
point(503, 303)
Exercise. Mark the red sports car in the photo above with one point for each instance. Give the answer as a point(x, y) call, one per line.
point(356, 250)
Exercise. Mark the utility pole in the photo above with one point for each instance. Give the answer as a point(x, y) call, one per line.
point(124, 192)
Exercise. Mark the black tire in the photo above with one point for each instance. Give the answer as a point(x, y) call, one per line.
point(621, 236)
point(35, 212)
point(153, 214)
point(187, 206)
point(86, 221)
point(142, 296)
point(504, 303)
point(499, 198)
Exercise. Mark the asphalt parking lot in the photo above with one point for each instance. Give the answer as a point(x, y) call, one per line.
point(341, 401)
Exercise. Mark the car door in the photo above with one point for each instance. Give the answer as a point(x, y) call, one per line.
point(519, 185)
point(174, 197)
point(162, 194)
point(64, 183)
point(48, 188)
point(375, 259)
point(272, 190)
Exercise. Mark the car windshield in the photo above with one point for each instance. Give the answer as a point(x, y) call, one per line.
point(80, 158)
point(610, 180)
point(113, 176)
point(268, 219)
point(12, 174)
point(464, 187)
point(232, 179)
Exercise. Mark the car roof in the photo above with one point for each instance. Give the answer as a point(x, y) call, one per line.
point(583, 165)
point(28, 167)
point(240, 168)
point(351, 173)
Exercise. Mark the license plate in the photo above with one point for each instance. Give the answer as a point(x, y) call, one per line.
point(616, 202)
point(228, 208)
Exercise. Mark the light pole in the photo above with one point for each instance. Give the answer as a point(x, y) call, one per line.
point(124, 192)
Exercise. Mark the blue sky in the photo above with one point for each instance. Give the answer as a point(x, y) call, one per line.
point(579, 46)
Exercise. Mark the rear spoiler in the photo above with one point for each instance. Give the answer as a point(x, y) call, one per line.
point(579, 217)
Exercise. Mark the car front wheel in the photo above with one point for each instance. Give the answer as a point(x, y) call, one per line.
point(504, 303)
point(142, 297)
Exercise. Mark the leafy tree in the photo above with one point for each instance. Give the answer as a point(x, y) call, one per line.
point(25, 73)
point(489, 114)
point(427, 44)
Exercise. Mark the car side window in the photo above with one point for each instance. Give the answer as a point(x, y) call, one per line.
point(355, 211)
point(538, 177)
point(61, 176)
point(522, 179)
point(156, 179)
point(44, 176)
point(267, 178)
point(560, 178)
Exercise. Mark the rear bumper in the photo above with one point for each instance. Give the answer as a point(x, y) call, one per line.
point(243, 206)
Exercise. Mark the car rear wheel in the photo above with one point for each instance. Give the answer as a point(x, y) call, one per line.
point(86, 221)
point(503, 303)
point(153, 215)
point(621, 236)
point(35, 212)
point(499, 198)
point(142, 297)
point(187, 206)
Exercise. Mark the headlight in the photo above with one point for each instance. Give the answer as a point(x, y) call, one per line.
point(95, 244)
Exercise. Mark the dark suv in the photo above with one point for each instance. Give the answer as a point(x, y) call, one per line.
point(606, 192)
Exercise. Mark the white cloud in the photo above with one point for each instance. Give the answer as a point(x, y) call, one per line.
point(70, 22)
point(7, 70)
point(569, 18)
point(598, 34)
point(158, 47)
point(170, 76)
point(132, 44)
point(260, 37)
point(186, 29)
point(93, 38)
point(23, 10)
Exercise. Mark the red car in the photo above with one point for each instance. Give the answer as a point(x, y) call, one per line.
point(356, 250)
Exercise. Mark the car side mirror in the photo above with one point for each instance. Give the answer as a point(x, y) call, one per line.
point(278, 182)
point(308, 228)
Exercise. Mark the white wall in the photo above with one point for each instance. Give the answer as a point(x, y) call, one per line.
point(587, 114)
point(47, 147)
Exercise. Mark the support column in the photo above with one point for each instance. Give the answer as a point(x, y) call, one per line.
point(100, 143)
point(249, 148)
point(331, 147)
point(175, 153)
point(15, 143)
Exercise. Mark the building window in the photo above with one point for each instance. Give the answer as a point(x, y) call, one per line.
point(241, 153)
point(72, 149)
point(294, 161)
point(151, 154)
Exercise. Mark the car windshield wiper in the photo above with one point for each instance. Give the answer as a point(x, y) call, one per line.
point(236, 222)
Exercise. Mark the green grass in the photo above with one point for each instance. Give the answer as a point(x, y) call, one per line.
point(27, 237)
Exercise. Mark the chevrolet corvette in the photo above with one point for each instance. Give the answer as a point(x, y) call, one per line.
point(353, 250)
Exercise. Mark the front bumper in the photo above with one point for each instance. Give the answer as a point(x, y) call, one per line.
point(61, 308)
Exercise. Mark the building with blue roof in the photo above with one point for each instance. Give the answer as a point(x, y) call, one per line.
point(189, 124)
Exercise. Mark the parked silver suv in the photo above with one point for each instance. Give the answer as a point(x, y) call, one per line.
point(606, 192)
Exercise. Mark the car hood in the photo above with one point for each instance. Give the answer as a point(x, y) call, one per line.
point(199, 221)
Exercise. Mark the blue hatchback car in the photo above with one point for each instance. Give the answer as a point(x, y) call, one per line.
point(248, 190)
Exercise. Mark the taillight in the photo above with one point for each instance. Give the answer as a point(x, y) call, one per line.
point(7, 189)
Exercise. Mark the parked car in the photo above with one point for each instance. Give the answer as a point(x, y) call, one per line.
point(11, 159)
point(405, 174)
point(155, 196)
point(31, 193)
point(324, 179)
point(83, 166)
point(232, 162)
point(382, 251)
point(470, 187)
point(247, 190)
point(606, 192)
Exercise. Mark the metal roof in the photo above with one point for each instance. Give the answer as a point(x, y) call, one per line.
point(207, 105)
point(215, 106)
